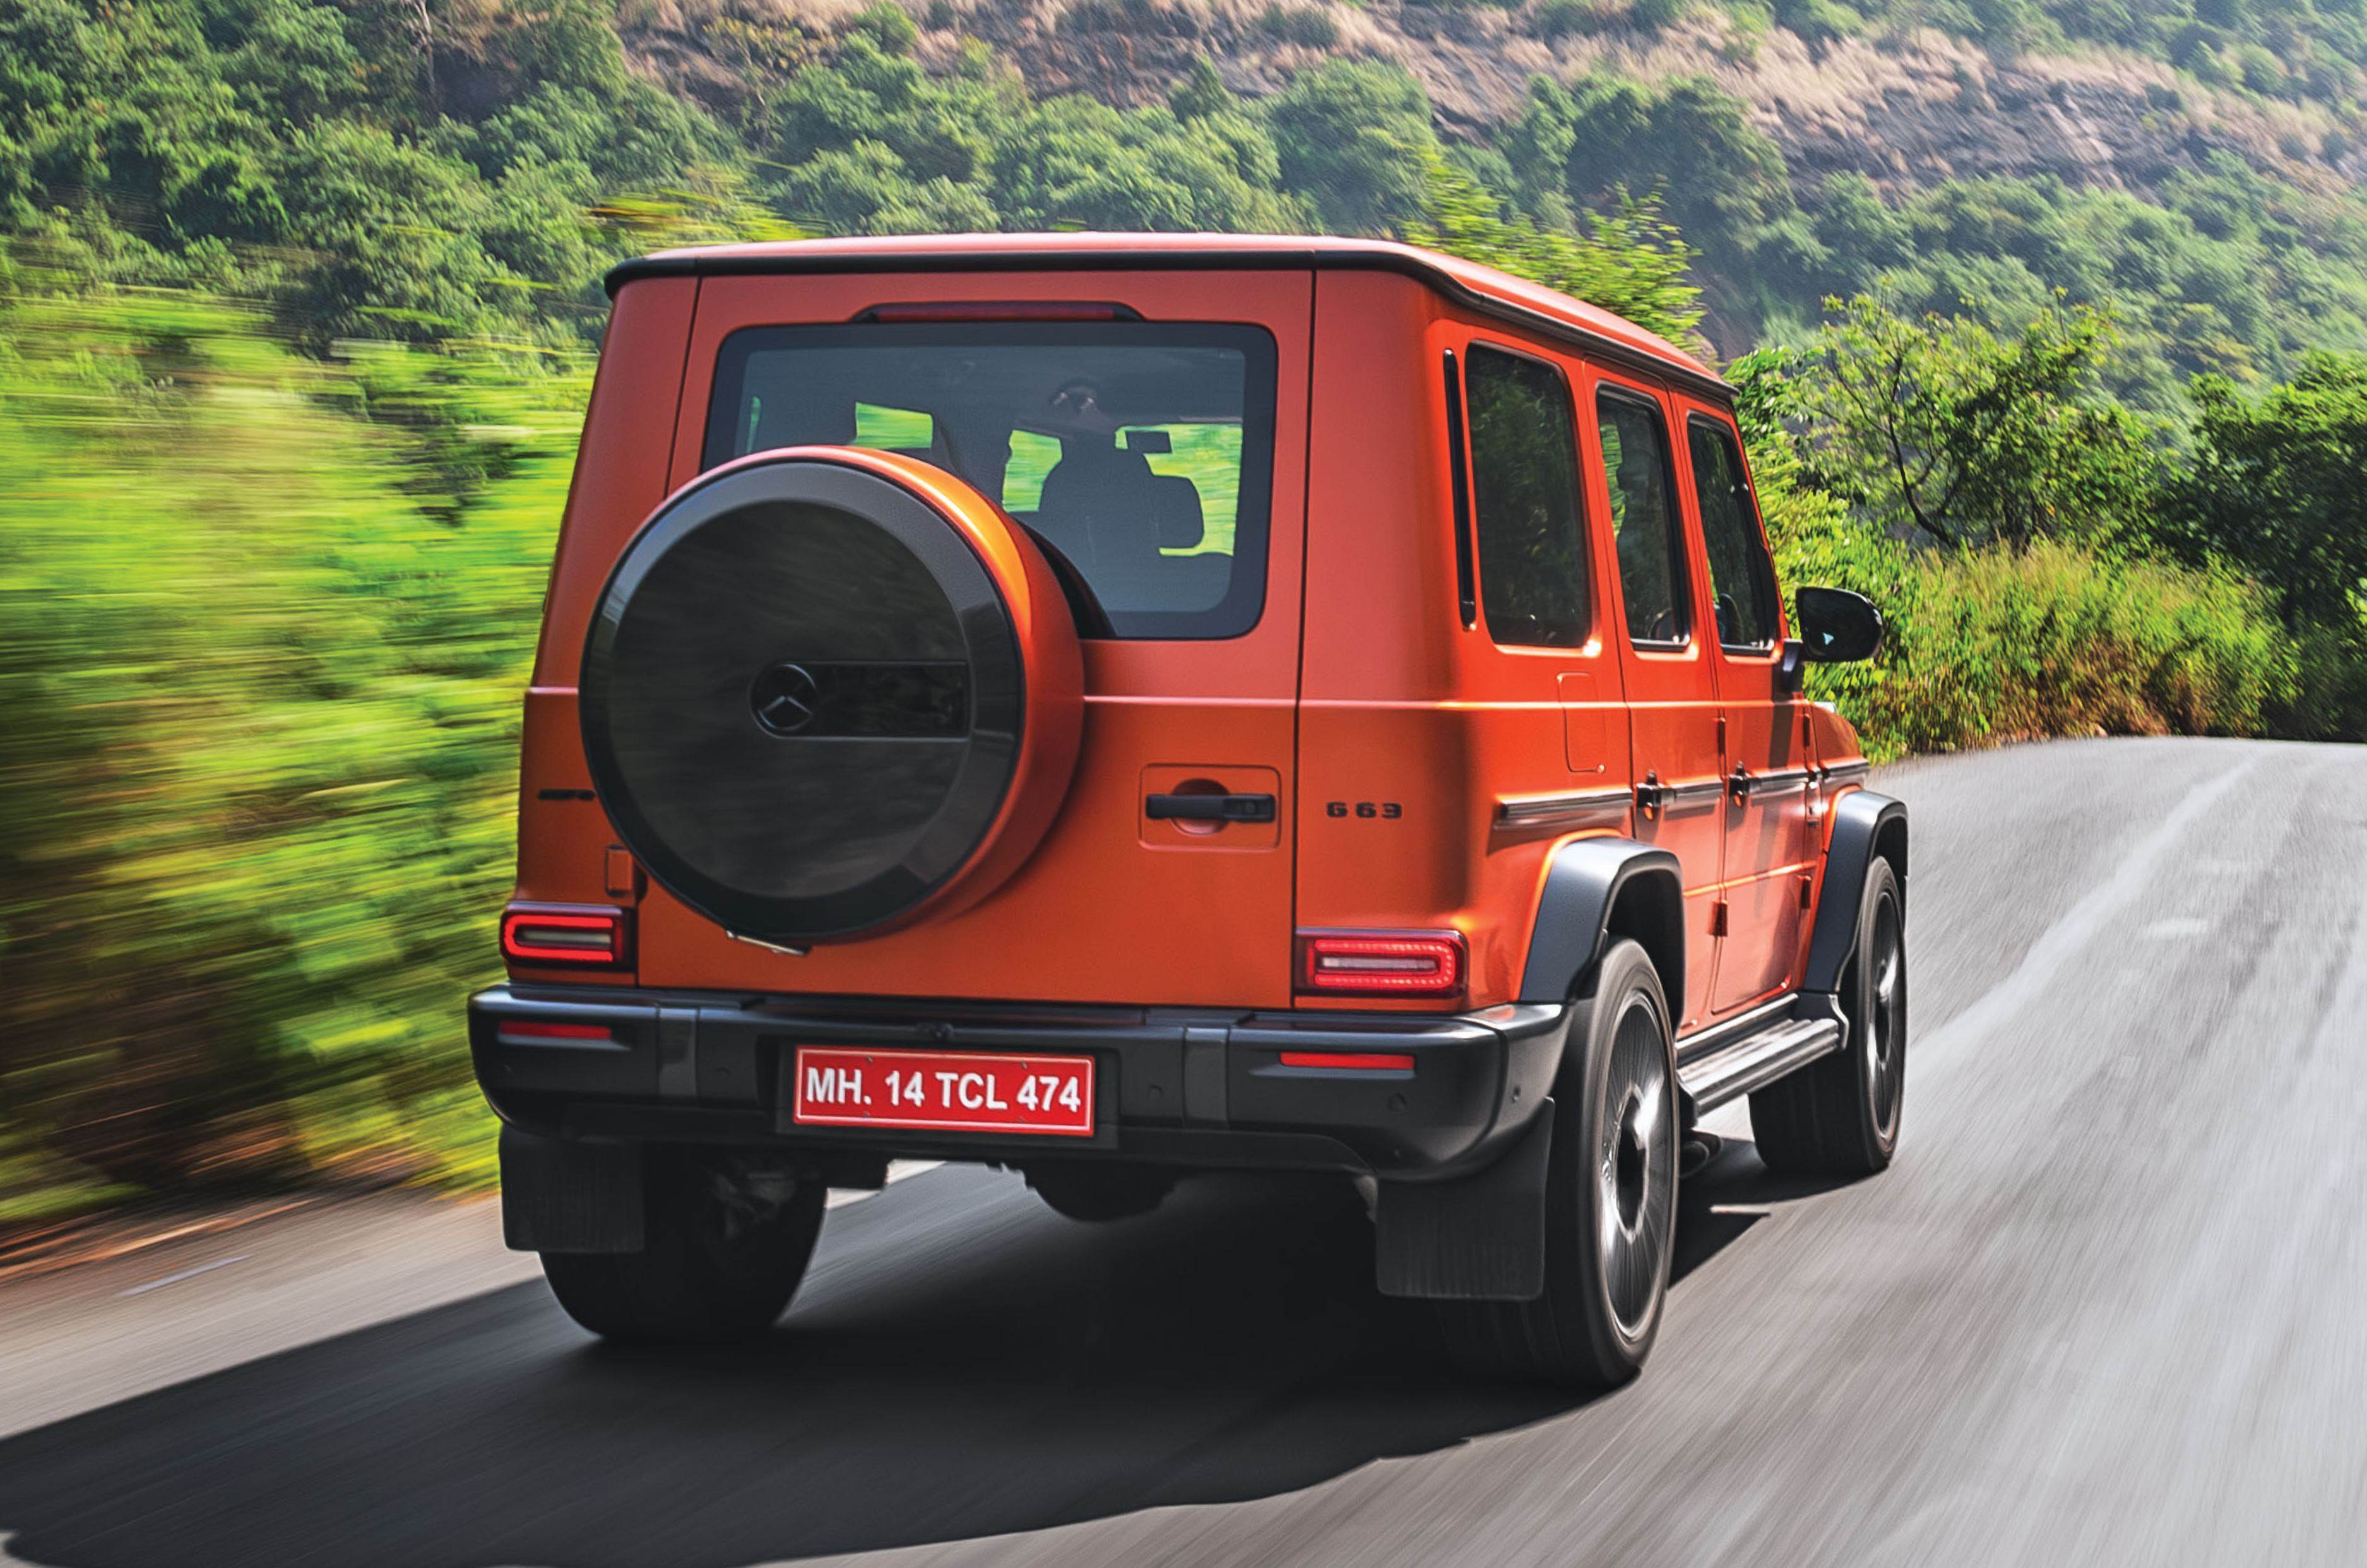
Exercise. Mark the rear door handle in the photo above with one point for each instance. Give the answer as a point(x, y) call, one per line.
point(1209, 808)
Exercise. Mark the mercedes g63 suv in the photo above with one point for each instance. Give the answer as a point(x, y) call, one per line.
point(1120, 706)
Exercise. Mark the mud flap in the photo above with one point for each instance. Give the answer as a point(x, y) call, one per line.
point(559, 1194)
point(1481, 1237)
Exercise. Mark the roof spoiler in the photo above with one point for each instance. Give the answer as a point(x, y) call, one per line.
point(721, 262)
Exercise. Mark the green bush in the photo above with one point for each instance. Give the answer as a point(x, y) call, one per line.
point(1819, 20)
point(1631, 262)
point(1559, 19)
point(1310, 27)
point(1996, 645)
point(1686, 141)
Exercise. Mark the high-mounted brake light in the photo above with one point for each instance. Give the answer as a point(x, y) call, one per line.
point(999, 310)
point(586, 937)
point(1381, 963)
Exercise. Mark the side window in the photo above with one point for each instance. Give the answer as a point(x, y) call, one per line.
point(1742, 578)
point(1644, 517)
point(894, 430)
point(1033, 458)
point(1525, 501)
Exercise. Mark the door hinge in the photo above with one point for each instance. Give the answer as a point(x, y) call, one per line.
point(1717, 918)
point(1652, 795)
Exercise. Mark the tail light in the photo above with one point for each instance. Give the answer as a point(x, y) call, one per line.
point(588, 937)
point(1381, 963)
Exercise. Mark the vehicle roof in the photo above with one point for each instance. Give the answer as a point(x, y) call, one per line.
point(1481, 287)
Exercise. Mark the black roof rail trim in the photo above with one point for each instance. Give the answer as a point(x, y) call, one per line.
point(722, 263)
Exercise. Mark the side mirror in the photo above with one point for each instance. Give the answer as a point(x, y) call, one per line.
point(1838, 627)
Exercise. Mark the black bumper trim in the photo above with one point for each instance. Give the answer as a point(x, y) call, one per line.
point(1194, 1086)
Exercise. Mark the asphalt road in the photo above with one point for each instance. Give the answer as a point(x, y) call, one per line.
point(2109, 1306)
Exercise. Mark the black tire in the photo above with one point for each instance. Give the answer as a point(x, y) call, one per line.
point(1611, 1199)
point(727, 1248)
point(1840, 1115)
point(1095, 1192)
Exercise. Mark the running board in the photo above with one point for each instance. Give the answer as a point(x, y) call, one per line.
point(1757, 1060)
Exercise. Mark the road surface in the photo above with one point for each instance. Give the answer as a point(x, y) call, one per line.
point(2109, 1306)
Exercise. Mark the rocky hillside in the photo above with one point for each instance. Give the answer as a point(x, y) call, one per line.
point(1910, 108)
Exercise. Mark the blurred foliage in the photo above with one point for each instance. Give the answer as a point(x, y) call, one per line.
point(263, 624)
point(1631, 262)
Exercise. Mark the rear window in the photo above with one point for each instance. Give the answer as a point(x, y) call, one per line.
point(1140, 453)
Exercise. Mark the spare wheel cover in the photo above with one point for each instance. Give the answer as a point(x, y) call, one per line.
point(828, 691)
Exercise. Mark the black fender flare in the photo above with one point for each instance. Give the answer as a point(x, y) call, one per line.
point(1865, 826)
point(1480, 1237)
point(1584, 885)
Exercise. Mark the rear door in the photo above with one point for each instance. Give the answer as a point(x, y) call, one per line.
point(1158, 449)
point(1671, 690)
point(1536, 593)
point(1767, 837)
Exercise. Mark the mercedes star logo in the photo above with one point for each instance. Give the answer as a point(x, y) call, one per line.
point(784, 698)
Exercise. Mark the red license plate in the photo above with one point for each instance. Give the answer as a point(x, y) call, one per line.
point(945, 1091)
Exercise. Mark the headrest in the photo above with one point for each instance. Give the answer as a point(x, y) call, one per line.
point(1176, 507)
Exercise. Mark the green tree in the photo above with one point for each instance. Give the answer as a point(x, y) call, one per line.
point(1071, 162)
point(937, 127)
point(1202, 93)
point(2275, 488)
point(1354, 137)
point(1719, 175)
point(391, 235)
point(1938, 426)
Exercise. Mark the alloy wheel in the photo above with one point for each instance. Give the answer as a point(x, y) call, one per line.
point(1635, 1170)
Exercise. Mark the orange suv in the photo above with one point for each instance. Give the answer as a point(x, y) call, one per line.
point(1120, 706)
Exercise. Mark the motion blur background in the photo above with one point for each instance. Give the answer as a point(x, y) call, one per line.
point(299, 303)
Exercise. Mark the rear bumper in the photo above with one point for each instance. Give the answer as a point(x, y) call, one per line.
point(1183, 1087)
